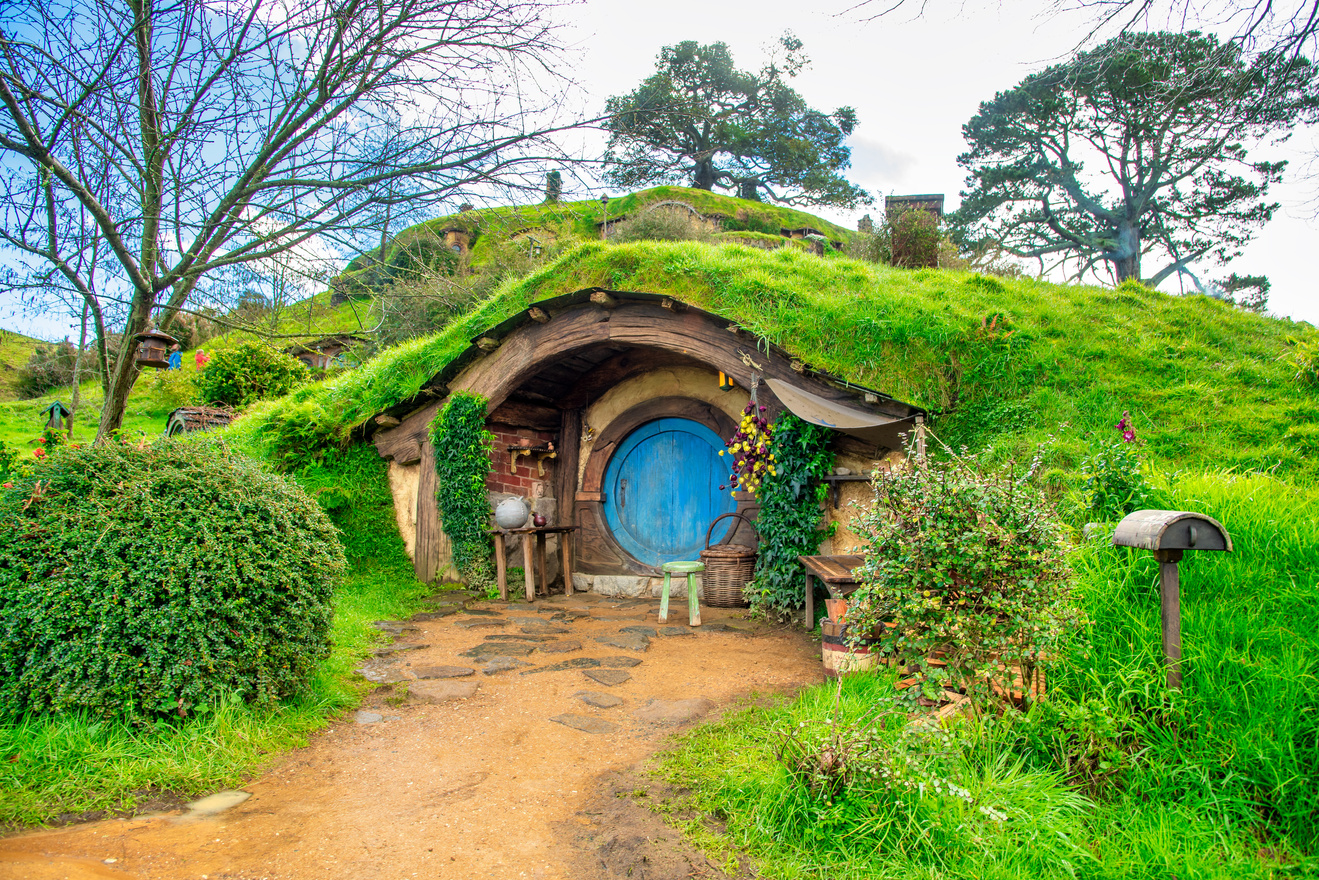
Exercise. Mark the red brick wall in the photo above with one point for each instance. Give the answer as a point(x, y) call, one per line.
point(522, 481)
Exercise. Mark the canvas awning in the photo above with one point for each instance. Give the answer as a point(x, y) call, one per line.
point(878, 430)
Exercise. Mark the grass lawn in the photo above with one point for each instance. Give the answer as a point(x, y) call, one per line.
point(1112, 777)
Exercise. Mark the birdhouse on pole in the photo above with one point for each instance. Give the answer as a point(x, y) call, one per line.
point(153, 349)
point(56, 413)
point(1170, 533)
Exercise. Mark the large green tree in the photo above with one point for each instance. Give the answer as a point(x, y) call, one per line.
point(699, 120)
point(1138, 147)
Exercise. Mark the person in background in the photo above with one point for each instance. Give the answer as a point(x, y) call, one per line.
point(202, 358)
point(175, 357)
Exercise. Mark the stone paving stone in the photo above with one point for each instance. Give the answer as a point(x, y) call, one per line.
point(382, 673)
point(363, 717)
point(499, 664)
point(398, 648)
point(574, 663)
point(626, 641)
point(586, 723)
point(620, 662)
point(598, 700)
point(640, 630)
point(433, 615)
point(673, 711)
point(479, 623)
point(443, 671)
point(480, 612)
point(564, 647)
point(610, 677)
point(671, 631)
point(501, 649)
point(442, 691)
point(514, 637)
point(545, 629)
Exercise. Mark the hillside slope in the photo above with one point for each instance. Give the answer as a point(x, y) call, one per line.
point(1009, 362)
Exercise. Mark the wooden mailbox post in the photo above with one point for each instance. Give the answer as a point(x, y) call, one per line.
point(1169, 533)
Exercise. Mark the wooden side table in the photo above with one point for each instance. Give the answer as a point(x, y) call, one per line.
point(533, 537)
point(835, 572)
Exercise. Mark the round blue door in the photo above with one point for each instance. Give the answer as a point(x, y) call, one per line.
point(662, 491)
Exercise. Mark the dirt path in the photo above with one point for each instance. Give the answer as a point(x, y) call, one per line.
point(478, 786)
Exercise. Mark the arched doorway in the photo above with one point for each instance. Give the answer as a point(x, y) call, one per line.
point(662, 490)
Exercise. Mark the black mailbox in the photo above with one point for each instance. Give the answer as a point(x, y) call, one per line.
point(1170, 533)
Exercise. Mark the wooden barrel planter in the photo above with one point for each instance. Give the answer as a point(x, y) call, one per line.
point(841, 658)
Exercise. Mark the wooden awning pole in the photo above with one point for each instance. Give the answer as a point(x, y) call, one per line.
point(920, 440)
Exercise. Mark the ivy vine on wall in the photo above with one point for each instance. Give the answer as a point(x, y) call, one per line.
point(790, 511)
point(462, 462)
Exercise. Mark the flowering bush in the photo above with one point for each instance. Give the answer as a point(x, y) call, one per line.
point(751, 448)
point(1114, 484)
point(965, 579)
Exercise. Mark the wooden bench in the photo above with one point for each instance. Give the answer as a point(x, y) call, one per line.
point(836, 574)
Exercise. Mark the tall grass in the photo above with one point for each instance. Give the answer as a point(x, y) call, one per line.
point(1113, 776)
point(68, 765)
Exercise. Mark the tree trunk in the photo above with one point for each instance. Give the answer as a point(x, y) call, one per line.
point(1126, 256)
point(77, 368)
point(749, 190)
point(704, 176)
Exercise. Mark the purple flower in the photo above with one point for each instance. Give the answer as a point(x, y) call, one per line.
point(1129, 435)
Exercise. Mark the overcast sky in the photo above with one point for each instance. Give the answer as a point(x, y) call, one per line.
point(914, 80)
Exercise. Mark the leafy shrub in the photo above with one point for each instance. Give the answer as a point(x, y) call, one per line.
point(159, 581)
point(1114, 484)
point(50, 366)
point(249, 372)
point(789, 520)
point(661, 225)
point(168, 390)
point(965, 572)
point(1305, 357)
point(462, 462)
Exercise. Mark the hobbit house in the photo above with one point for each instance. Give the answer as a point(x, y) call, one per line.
point(609, 414)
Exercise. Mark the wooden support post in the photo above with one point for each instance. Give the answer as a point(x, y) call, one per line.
point(920, 439)
point(810, 601)
point(565, 560)
point(540, 562)
point(501, 566)
point(529, 564)
point(1170, 614)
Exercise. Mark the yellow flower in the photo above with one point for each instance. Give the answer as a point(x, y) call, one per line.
point(721, 452)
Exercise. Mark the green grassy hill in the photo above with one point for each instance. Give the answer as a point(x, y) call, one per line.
point(1008, 362)
point(15, 349)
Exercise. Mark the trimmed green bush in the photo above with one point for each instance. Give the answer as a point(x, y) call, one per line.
point(160, 582)
point(249, 372)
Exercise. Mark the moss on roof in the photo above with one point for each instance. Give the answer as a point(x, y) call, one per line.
point(1011, 362)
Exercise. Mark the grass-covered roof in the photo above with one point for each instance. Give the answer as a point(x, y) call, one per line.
point(1008, 362)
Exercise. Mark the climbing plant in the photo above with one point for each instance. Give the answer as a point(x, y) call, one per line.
point(790, 497)
point(462, 462)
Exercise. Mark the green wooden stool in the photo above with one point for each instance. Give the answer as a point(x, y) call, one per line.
point(693, 604)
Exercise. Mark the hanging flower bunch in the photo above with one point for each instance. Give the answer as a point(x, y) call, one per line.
point(751, 450)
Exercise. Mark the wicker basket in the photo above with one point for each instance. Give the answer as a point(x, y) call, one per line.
point(728, 567)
